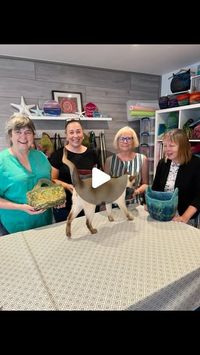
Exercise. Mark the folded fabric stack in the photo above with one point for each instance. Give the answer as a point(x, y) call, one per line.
point(141, 111)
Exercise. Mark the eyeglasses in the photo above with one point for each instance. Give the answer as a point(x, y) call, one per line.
point(127, 139)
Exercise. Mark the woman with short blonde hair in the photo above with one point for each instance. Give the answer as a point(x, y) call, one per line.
point(127, 160)
point(135, 141)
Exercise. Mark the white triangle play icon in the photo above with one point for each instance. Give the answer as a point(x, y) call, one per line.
point(99, 177)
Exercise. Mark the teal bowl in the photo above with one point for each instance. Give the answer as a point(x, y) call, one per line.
point(161, 205)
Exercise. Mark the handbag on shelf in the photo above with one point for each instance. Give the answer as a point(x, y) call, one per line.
point(180, 81)
point(163, 102)
point(196, 132)
point(172, 101)
point(43, 197)
point(183, 99)
point(195, 97)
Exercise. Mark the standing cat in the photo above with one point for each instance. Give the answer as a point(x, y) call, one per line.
point(107, 192)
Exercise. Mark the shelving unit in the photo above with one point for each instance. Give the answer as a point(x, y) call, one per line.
point(146, 132)
point(195, 83)
point(147, 137)
point(184, 113)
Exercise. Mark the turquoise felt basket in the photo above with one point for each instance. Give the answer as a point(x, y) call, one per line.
point(161, 205)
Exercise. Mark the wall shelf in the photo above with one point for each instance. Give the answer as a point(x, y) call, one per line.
point(64, 118)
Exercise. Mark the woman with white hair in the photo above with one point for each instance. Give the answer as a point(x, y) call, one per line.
point(127, 160)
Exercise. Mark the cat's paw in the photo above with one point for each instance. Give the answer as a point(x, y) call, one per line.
point(68, 232)
point(130, 217)
point(94, 231)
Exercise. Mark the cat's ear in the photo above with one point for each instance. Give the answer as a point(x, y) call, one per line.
point(131, 178)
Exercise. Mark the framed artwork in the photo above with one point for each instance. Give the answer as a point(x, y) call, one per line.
point(70, 102)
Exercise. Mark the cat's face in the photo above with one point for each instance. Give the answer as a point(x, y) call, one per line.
point(131, 181)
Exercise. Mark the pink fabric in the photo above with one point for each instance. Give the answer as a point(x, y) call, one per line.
point(141, 108)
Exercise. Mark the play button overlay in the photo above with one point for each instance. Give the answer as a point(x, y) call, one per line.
point(101, 187)
point(99, 178)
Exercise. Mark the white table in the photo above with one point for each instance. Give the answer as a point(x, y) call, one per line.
point(140, 264)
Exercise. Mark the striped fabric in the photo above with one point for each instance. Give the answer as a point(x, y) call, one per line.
point(131, 167)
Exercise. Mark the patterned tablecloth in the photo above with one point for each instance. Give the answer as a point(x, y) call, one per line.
point(127, 265)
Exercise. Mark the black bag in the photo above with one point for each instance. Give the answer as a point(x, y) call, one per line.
point(172, 101)
point(163, 102)
point(180, 81)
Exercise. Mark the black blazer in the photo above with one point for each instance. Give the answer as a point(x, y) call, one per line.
point(187, 181)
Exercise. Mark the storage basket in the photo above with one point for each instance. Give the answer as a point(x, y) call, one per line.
point(161, 205)
point(145, 124)
point(144, 149)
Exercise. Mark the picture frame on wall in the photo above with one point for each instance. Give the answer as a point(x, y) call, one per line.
point(70, 102)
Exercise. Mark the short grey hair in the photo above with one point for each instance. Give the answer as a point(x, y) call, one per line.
point(121, 132)
point(17, 121)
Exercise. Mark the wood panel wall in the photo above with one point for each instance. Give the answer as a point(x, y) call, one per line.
point(108, 89)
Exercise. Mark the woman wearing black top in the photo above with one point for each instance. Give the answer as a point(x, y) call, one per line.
point(83, 158)
point(179, 168)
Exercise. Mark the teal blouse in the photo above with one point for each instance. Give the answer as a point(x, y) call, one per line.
point(15, 182)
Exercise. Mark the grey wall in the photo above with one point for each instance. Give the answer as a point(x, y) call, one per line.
point(108, 89)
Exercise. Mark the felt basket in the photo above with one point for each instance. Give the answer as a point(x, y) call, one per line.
point(161, 205)
point(43, 197)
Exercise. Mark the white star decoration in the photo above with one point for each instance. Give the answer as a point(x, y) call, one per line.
point(80, 114)
point(23, 108)
point(37, 112)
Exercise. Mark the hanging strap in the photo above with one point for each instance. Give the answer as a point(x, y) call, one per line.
point(55, 141)
point(59, 142)
point(180, 71)
point(42, 182)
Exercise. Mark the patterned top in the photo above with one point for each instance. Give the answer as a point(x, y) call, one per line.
point(132, 167)
point(170, 183)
